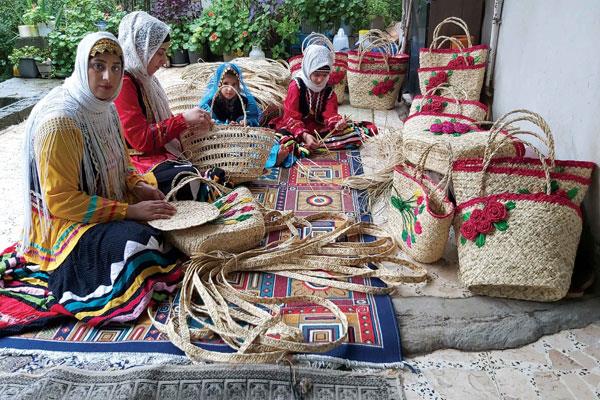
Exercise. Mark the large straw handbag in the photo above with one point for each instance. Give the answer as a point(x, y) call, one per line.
point(462, 133)
point(241, 151)
point(238, 225)
point(518, 174)
point(419, 211)
point(451, 105)
point(516, 245)
point(375, 79)
point(435, 56)
point(466, 78)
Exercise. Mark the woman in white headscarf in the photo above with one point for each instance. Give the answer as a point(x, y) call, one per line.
point(151, 130)
point(84, 203)
point(310, 119)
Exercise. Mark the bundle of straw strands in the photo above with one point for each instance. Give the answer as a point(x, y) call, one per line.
point(267, 79)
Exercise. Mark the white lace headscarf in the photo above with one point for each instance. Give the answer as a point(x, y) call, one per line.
point(315, 57)
point(104, 164)
point(141, 35)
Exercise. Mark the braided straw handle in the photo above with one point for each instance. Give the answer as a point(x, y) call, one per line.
point(444, 184)
point(317, 38)
point(194, 177)
point(448, 89)
point(455, 21)
point(502, 124)
point(384, 43)
point(212, 103)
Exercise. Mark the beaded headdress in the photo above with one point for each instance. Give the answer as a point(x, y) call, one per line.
point(106, 46)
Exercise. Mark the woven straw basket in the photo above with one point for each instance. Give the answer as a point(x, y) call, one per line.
point(451, 105)
point(183, 97)
point(419, 212)
point(435, 56)
point(241, 151)
point(417, 128)
point(514, 245)
point(240, 226)
point(468, 79)
point(518, 175)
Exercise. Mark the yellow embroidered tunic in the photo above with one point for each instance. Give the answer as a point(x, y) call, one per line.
point(72, 211)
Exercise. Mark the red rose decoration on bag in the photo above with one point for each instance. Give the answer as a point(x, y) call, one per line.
point(496, 211)
point(459, 127)
point(468, 231)
point(336, 76)
point(479, 223)
point(436, 80)
point(382, 87)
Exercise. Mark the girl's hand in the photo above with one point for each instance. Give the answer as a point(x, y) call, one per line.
point(341, 125)
point(143, 191)
point(149, 210)
point(310, 141)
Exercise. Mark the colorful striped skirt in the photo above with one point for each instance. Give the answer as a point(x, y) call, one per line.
point(114, 272)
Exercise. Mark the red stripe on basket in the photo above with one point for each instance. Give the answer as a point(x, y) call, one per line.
point(531, 161)
point(451, 51)
point(390, 61)
point(450, 99)
point(379, 71)
point(476, 66)
point(434, 114)
point(401, 171)
point(536, 197)
point(522, 172)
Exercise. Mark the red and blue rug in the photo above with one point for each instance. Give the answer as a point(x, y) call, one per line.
point(313, 186)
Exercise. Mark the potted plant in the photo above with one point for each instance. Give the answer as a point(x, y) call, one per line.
point(196, 45)
point(382, 12)
point(273, 27)
point(26, 57)
point(180, 36)
point(30, 20)
point(39, 16)
point(225, 24)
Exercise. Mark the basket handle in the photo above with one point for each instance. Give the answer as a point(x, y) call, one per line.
point(444, 183)
point(376, 43)
point(448, 89)
point(195, 177)
point(212, 103)
point(316, 38)
point(455, 21)
point(502, 124)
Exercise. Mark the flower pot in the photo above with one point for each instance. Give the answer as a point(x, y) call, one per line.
point(198, 55)
point(27, 68)
point(28, 31)
point(179, 58)
point(45, 28)
point(378, 22)
point(44, 69)
point(229, 56)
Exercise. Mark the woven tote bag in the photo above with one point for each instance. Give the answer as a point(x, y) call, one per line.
point(463, 134)
point(521, 175)
point(435, 56)
point(450, 104)
point(240, 224)
point(517, 245)
point(241, 151)
point(465, 78)
point(419, 212)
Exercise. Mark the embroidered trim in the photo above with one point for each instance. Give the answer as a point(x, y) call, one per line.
point(106, 46)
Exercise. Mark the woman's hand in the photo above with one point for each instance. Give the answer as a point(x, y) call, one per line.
point(341, 125)
point(310, 141)
point(149, 210)
point(198, 119)
point(143, 191)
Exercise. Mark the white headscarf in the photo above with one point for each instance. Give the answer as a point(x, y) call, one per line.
point(315, 57)
point(104, 160)
point(141, 35)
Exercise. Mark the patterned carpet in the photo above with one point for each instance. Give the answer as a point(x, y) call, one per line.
point(310, 187)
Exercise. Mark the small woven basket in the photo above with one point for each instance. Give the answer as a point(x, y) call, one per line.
point(419, 212)
point(241, 151)
point(515, 245)
point(436, 56)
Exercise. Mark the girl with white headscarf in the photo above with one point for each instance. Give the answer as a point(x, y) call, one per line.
point(151, 130)
point(83, 199)
point(310, 119)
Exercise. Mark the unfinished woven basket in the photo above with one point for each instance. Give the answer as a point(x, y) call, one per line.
point(241, 151)
point(183, 97)
point(516, 245)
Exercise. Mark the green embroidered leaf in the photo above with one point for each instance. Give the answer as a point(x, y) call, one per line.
point(450, 73)
point(445, 103)
point(397, 203)
point(553, 186)
point(412, 237)
point(463, 240)
point(375, 82)
point(433, 73)
point(371, 92)
point(523, 191)
point(572, 193)
point(427, 130)
point(427, 81)
point(437, 121)
point(421, 208)
point(430, 101)
point(418, 108)
point(466, 216)
point(510, 205)
point(477, 59)
point(438, 133)
point(480, 241)
point(244, 217)
point(455, 134)
point(218, 204)
point(501, 225)
point(454, 56)
point(452, 119)
point(404, 235)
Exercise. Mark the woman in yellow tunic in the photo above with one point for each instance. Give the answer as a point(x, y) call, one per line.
point(85, 204)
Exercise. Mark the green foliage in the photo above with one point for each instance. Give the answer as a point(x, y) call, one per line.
point(225, 25)
point(328, 15)
point(37, 14)
point(11, 13)
point(275, 28)
point(390, 10)
point(36, 53)
point(79, 17)
point(180, 36)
